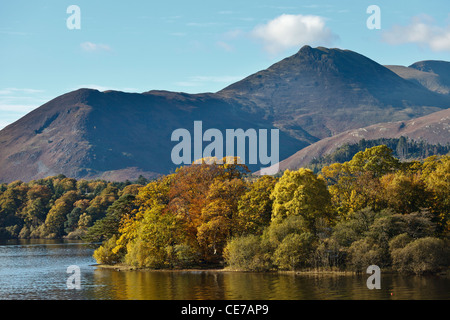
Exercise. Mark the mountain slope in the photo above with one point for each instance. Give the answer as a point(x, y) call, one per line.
point(319, 92)
point(433, 128)
point(433, 75)
point(312, 95)
point(113, 135)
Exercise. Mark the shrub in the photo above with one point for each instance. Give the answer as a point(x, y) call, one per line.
point(399, 242)
point(294, 251)
point(104, 253)
point(363, 253)
point(425, 255)
point(247, 253)
point(184, 256)
point(278, 230)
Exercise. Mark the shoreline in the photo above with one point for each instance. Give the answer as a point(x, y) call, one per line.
point(312, 272)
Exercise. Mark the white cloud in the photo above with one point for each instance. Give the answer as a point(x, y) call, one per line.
point(17, 108)
point(289, 31)
point(94, 47)
point(9, 91)
point(16, 102)
point(421, 31)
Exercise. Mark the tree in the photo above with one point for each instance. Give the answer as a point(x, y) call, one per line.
point(153, 195)
point(219, 217)
point(108, 226)
point(376, 160)
point(355, 184)
point(424, 255)
point(294, 251)
point(405, 193)
point(436, 174)
point(155, 241)
point(302, 193)
point(54, 223)
point(255, 206)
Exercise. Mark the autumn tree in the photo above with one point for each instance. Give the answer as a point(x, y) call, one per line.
point(155, 194)
point(355, 184)
point(405, 193)
point(219, 217)
point(302, 193)
point(436, 174)
point(255, 206)
point(54, 223)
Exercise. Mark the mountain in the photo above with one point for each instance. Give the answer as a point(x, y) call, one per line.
point(433, 75)
point(114, 135)
point(319, 92)
point(433, 129)
point(314, 94)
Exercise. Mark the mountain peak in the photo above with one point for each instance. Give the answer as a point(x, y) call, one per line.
point(313, 94)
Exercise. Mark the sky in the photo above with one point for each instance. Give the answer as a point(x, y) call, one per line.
point(48, 49)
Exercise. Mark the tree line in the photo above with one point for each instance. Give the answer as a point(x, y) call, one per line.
point(372, 209)
point(402, 147)
point(57, 206)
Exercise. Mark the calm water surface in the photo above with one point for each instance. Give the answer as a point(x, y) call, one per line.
point(38, 270)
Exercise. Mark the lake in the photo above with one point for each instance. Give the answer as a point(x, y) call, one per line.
point(37, 270)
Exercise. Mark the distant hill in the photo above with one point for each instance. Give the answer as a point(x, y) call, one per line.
point(320, 92)
point(433, 75)
point(402, 148)
point(113, 135)
point(433, 129)
point(315, 94)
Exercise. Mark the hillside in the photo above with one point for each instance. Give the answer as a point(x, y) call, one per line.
point(433, 129)
point(312, 95)
point(320, 92)
point(433, 75)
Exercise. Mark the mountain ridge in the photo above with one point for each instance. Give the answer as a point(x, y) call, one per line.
point(433, 128)
point(311, 95)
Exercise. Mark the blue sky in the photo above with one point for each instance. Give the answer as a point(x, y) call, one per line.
point(193, 46)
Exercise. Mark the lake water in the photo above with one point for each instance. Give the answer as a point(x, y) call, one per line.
point(37, 270)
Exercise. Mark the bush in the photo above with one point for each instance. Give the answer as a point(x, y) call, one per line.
point(329, 254)
point(184, 256)
point(278, 230)
point(142, 255)
point(363, 253)
point(399, 242)
point(425, 255)
point(104, 254)
point(294, 251)
point(247, 253)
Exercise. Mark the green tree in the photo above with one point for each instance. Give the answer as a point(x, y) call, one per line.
point(294, 251)
point(424, 255)
point(247, 253)
point(54, 223)
point(302, 193)
point(108, 226)
point(255, 206)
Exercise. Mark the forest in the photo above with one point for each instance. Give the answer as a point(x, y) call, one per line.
point(402, 148)
point(372, 209)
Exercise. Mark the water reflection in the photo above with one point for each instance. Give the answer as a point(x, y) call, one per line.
point(37, 270)
point(161, 285)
